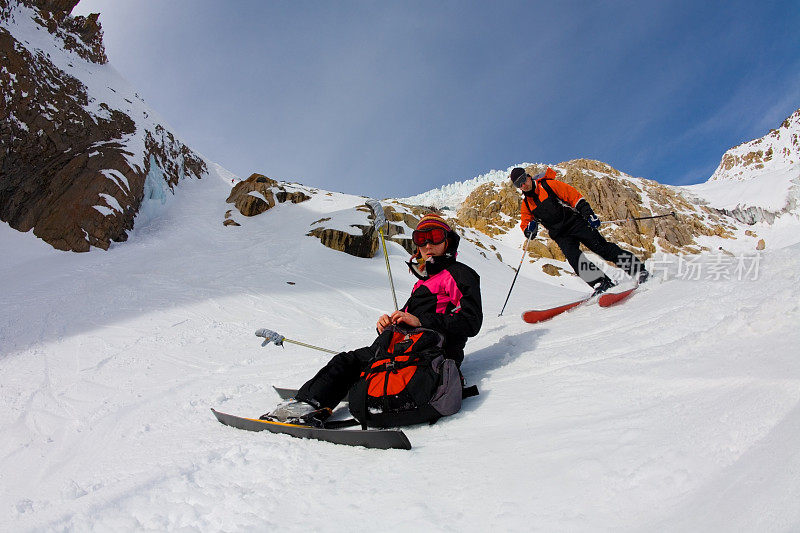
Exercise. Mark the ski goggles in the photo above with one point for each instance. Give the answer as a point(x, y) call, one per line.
point(520, 181)
point(433, 236)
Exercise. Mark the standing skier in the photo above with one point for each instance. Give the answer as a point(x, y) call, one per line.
point(446, 299)
point(569, 219)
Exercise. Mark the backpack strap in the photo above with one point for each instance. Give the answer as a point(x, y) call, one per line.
point(546, 186)
point(534, 196)
point(468, 392)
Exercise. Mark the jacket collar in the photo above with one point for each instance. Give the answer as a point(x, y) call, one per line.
point(432, 266)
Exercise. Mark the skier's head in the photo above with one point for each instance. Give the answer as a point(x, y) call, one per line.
point(434, 236)
point(518, 177)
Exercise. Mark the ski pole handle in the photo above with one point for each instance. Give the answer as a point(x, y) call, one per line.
point(279, 339)
point(380, 218)
point(270, 335)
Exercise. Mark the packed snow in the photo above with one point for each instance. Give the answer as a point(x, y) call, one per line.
point(676, 410)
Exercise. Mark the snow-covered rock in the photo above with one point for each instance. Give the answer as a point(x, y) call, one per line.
point(758, 180)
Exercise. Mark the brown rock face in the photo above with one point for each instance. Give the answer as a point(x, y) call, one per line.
point(363, 245)
point(65, 172)
point(259, 193)
point(361, 242)
point(551, 270)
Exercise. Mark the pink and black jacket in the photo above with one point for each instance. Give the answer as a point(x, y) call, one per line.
point(447, 298)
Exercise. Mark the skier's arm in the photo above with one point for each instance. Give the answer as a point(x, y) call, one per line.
point(584, 209)
point(566, 193)
point(525, 215)
point(401, 317)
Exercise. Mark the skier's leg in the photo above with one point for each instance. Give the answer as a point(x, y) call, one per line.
point(331, 384)
point(581, 264)
point(610, 251)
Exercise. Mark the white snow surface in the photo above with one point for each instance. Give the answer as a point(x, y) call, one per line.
point(678, 410)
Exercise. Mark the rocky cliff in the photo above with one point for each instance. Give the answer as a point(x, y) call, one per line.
point(79, 149)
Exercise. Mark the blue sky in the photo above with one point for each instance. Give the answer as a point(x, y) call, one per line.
point(390, 99)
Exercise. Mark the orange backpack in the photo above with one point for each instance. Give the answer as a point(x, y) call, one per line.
point(408, 380)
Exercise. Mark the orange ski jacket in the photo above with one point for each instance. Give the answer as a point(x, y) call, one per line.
point(550, 202)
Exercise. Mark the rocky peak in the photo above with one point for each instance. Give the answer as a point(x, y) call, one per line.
point(758, 181)
point(79, 150)
point(82, 35)
point(778, 148)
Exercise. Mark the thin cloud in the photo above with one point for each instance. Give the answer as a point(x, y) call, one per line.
point(393, 99)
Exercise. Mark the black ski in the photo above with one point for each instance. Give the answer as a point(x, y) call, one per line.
point(383, 439)
point(288, 394)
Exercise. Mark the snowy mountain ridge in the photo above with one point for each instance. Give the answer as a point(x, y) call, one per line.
point(758, 180)
point(81, 151)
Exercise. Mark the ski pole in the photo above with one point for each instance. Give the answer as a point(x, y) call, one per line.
point(380, 221)
point(672, 214)
point(279, 339)
point(521, 259)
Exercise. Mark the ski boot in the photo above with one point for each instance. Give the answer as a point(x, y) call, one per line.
point(604, 284)
point(296, 412)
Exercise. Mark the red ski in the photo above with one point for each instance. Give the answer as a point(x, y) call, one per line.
point(609, 299)
point(540, 315)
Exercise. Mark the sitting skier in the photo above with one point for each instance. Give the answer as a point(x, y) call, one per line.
point(446, 299)
point(570, 221)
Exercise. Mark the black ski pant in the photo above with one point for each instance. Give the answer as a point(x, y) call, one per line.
point(580, 233)
point(334, 380)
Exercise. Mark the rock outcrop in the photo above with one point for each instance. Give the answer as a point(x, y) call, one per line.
point(259, 193)
point(362, 240)
point(363, 244)
point(75, 163)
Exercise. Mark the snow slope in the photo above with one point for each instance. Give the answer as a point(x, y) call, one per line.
point(678, 410)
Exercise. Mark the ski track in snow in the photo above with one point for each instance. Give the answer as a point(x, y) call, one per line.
point(677, 410)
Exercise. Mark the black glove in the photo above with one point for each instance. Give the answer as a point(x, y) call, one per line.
point(584, 208)
point(532, 229)
point(586, 212)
